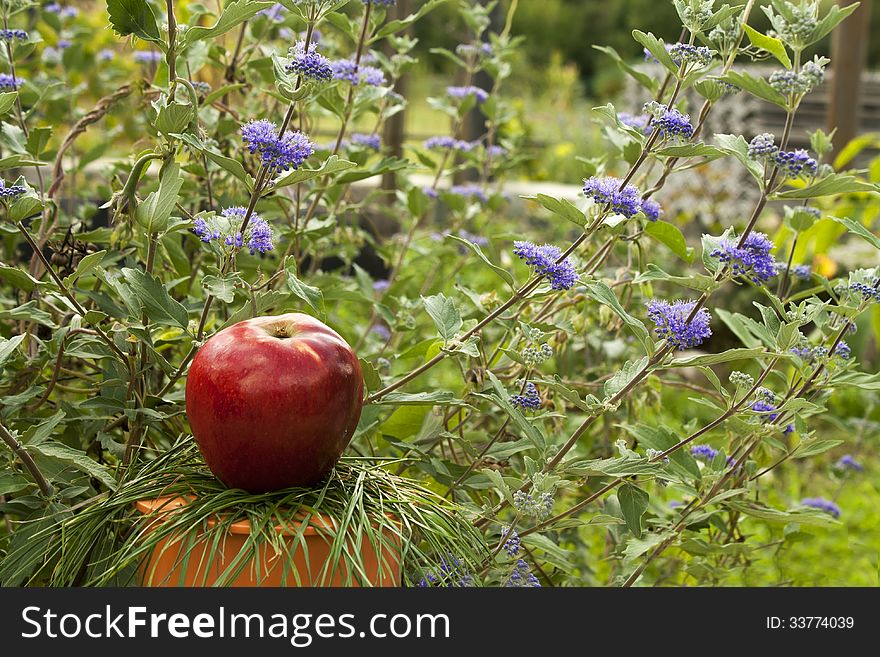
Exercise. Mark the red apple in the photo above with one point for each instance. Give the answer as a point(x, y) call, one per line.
point(273, 401)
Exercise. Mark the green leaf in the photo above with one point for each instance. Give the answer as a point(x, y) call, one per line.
point(671, 236)
point(76, 458)
point(815, 447)
point(561, 207)
point(445, 314)
point(633, 504)
point(8, 347)
point(232, 166)
point(858, 229)
point(624, 376)
point(772, 45)
point(85, 266)
point(312, 296)
point(392, 27)
point(757, 87)
point(418, 399)
point(155, 211)
point(699, 282)
point(503, 273)
point(134, 17)
point(7, 100)
point(331, 165)
point(502, 398)
point(234, 13)
point(832, 185)
point(832, 19)
point(736, 145)
point(222, 287)
point(724, 357)
point(155, 300)
point(645, 80)
point(19, 278)
point(691, 150)
point(605, 295)
point(657, 48)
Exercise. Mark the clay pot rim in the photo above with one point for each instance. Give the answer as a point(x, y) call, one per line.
point(318, 523)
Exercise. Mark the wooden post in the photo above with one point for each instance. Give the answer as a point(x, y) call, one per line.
point(849, 44)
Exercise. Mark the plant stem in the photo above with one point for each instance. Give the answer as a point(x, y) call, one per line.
point(19, 450)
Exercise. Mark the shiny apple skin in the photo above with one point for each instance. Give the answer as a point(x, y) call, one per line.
point(271, 412)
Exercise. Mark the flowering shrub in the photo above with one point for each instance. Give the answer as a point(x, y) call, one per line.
point(183, 187)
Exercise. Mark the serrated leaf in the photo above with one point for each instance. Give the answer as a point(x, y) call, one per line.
point(331, 165)
point(134, 17)
point(645, 80)
point(85, 266)
point(234, 13)
point(312, 296)
point(434, 398)
point(724, 357)
point(155, 300)
point(633, 504)
point(830, 186)
point(815, 447)
point(772, 45)
point(757, 87)
point(76, 458)
point(232, 166)
point(445, 314)
point(8, 347)
point(222, 287)
point(561, 207)
point(605, 295)
point(657, 48)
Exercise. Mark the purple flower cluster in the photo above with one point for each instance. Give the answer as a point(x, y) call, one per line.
point(11, 192)
point(704, 453)
point(452, 573)
point(259, 232)
point(672, 324)
point(148, 56)
point(796, 162)
point(276, 153)
point(687, 54)
point(512, 544)
point(464, 92)
point(367, 140)
point(848, 462)
point(843, 350)
point(13, 35)
point(651, 209)
point(522, 577)
point(808, 353)
point(349, 71)
point(670, 123)
point(868, 293)
point(445, 141)
point(766, 409)
point(623, 199)
point(752, 259)
point(822, 504)
point(310, 64)
point(275, 13)
point(539, 507)
point(544, 259)
point(530, 399)
point(762, 146)
point(474, 49)
point(469, 191)
point(803, 272)
point(9, 83)
point(63, 12)
point(106, 54)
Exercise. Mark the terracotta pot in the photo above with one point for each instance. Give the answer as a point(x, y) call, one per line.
point(173, 563)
